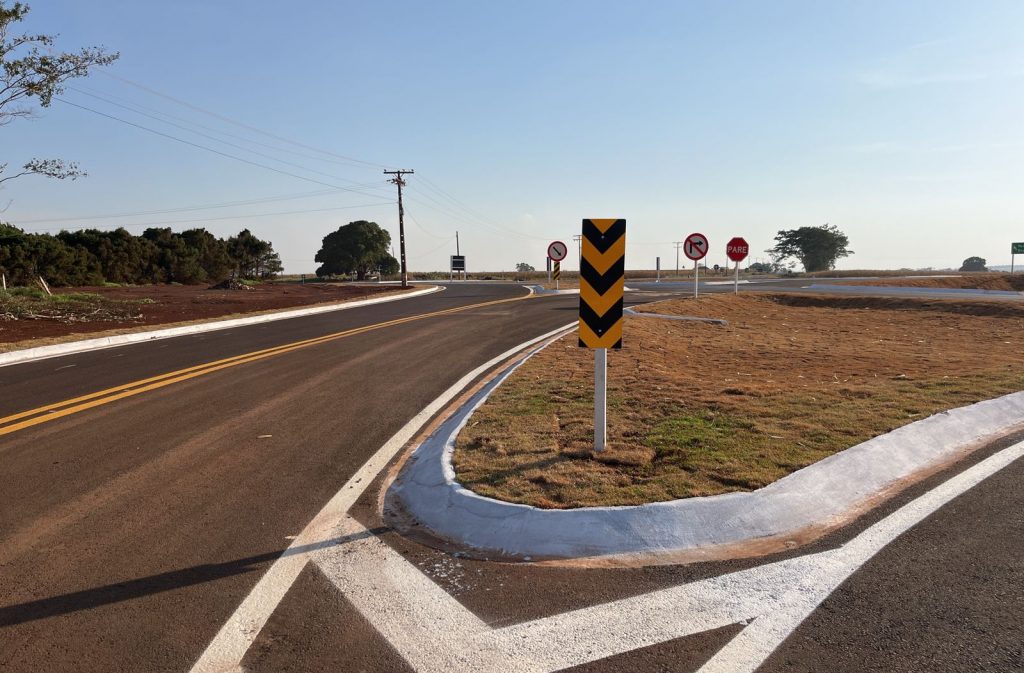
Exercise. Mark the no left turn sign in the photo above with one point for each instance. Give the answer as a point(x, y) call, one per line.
point(696, 246)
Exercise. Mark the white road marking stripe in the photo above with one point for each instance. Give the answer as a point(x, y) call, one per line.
point(434, 633)
point(226, 650)
point(756, 642)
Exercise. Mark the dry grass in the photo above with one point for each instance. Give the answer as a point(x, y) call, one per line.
point(698, 409)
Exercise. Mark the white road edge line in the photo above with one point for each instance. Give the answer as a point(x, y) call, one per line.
point(226, 650)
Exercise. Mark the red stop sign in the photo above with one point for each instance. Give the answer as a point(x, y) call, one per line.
point(737, 249)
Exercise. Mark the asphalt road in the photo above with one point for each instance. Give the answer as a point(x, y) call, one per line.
point(133, 527)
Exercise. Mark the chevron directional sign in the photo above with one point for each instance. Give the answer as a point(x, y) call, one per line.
point(557, 272)
point(602, 281)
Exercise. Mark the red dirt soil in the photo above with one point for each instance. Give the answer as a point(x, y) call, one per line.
point(186, 303)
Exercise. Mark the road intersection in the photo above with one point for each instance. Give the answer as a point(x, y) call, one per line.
point(135, 531)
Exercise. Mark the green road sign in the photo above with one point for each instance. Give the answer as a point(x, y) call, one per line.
point(1017, 248)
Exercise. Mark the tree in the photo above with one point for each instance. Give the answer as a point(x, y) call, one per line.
point(253, 258)
point(523, 267)
point(358, 247)
point(974, 264)
point(29, 68)
point(817, 248)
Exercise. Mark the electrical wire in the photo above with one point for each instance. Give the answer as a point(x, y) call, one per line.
point(237, 217)
point(215, 139)
point(181, 209)
point(210, 149)
point(249, 127)
point(136, 106)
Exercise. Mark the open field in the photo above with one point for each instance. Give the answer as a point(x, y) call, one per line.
point(29, 318)
point(974, 281)
point(698, 409)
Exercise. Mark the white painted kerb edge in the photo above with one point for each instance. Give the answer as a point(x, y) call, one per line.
point(426, 489)
point(72, 347)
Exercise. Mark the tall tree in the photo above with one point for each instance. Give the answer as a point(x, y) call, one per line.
point(357, 247)
point(817, 248)
point(974, 264)
point(29, 68)
point(253, 257)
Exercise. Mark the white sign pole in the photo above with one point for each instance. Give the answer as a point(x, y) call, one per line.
point(600, 398)
point(696, 272)
point(736, 285)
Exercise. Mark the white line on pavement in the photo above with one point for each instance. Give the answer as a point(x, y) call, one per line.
point(434, 633)
point(229, 646)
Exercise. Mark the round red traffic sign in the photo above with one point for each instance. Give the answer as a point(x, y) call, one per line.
point(557, 251)
point(695, 246)
point(737, 249)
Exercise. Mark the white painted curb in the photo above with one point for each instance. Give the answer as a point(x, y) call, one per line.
point(825, 492)
point(71, 347)
point(541, 290)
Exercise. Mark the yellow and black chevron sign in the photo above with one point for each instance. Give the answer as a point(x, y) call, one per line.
point(602, 281)
point(556, 273)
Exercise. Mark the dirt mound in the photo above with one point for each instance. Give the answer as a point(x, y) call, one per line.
point(230, 284)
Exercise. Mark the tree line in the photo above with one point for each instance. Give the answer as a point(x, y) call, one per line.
point(159, 255)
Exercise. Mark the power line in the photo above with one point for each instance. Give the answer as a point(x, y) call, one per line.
point(365, 164)
point(136, 106)
point(180, 209)
point(210, 149)
point(214, 138)
point(236, 217)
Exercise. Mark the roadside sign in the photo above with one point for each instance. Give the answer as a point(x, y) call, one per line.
point(557, 273)
point(557, 251)
point(602, 282)
point(1017, 248)
point(458, 263)
point(737, 249)
point(695, 246)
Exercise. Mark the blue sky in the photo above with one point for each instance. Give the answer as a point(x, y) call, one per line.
point(900, 123)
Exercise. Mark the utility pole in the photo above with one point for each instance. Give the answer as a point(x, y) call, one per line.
point(579, 249)
point(678, 245)
point(397, 180)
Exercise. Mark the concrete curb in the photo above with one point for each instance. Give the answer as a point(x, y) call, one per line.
point(666, 316)
point(820, 496)
point(541, 291)
point(85, 345)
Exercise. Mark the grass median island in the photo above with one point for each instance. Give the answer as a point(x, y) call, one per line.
point(697, 409)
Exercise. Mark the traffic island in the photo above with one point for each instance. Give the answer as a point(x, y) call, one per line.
point(720, 435)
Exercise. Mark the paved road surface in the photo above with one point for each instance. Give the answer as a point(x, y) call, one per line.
point(133, 527)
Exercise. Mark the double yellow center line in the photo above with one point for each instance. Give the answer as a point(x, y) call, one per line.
point(51, 412)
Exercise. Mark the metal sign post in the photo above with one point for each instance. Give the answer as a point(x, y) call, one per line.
point(657, 266)
point(695, 247)
point(600, 399)
point(602, 283)
point(557, 273)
